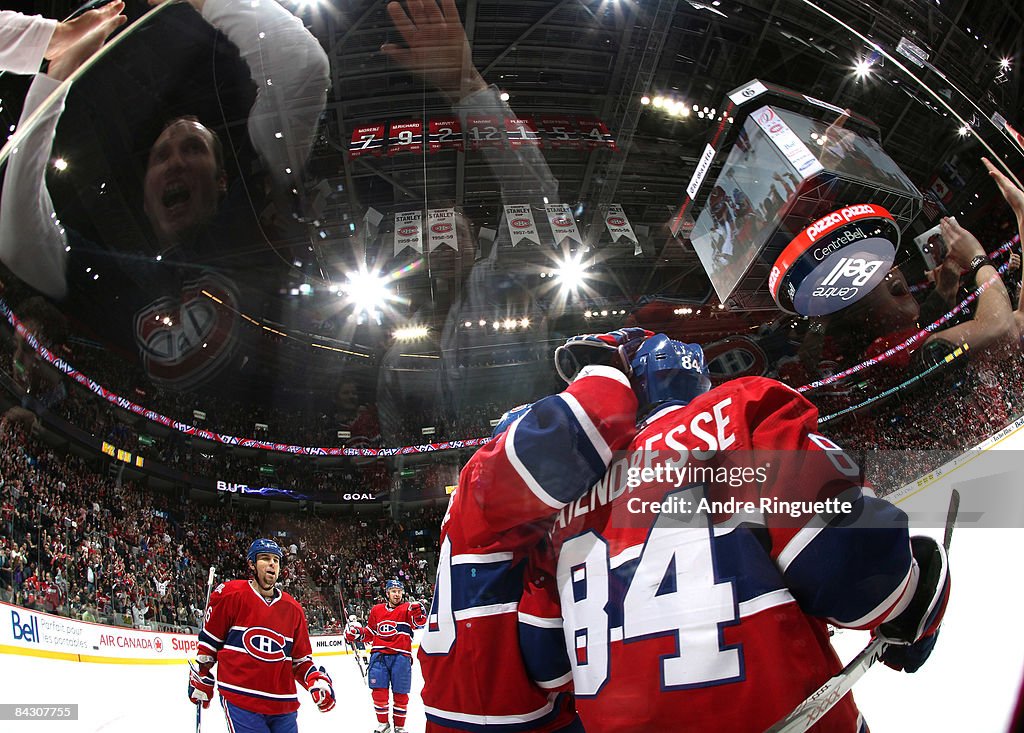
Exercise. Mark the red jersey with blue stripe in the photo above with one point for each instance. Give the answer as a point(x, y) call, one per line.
point(683, 611)
point(389, 628)
point(495, 595)
point(261, 647)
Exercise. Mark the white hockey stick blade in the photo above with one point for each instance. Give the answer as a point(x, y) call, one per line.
point(814, 708)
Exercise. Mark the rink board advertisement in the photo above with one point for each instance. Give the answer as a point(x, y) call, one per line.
point(41, 634)
point(38, 634)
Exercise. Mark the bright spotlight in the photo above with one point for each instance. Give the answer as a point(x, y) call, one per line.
point(964, 131)
point(571, 272)
point(366, 290)
point(410, 333)
point(60, 164)
point(1004, 64)
point(862, 68)
point(645, 100)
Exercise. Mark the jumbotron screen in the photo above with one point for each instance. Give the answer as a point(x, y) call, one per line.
point(784, 170)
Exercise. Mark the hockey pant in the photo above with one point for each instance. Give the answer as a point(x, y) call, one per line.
point(244, 721)
point(394, 671)
point(390, 670)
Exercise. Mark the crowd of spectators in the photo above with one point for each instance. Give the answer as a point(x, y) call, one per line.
point(76, 542)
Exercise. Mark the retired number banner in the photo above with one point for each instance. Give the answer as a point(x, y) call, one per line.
point(445, 134)
point(405, 137)
point(484, 131)
point(366, 140)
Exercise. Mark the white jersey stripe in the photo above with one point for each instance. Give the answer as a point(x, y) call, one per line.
point(494, 610)
point(492, 719)
point(257, 693)
point(524, 473)
point(593, 434)
point(491, 557)
point(552, 684)
point(900, 597)
point(540, 623)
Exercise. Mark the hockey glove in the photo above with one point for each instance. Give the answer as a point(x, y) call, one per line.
point(200, 685)
point(353, 633)
point(613, 349)
point(417, 613)
point(318, 682)
point(918, 626)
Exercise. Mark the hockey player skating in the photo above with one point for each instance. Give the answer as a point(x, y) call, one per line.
point(389, 633)
point(257, 637)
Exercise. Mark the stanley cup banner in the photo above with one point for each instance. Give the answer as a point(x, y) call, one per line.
point(441, 229)
point(563, 226)
point(520, 224)
point(618, 224)
point(408, 232)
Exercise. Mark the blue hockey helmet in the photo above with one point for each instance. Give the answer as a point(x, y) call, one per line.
point(263, 547)
point(508, 418)
point(393, 583)
point(665, 370)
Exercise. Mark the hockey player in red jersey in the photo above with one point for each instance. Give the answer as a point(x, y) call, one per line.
point(389, 630)
point(682, 611)
point(493, 656)
point(257, 637)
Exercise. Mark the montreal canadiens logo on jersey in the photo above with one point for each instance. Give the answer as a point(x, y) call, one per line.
point(264, 644)
point(387, 629)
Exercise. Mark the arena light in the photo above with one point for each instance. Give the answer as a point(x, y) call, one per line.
point(571, 272)
point(645, 100)
point(862, 68)
point(367, 290)
point(964, 131)
point(60, 164)
point(410, 333)
point(1004, 64)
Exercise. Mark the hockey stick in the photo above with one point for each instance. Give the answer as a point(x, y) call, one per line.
point(352, 646)
point(811, 710)
point(209, 590)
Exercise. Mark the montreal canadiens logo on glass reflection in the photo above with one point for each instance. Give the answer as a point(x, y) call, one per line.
point(264, 644)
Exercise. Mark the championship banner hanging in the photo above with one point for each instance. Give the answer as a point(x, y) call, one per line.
point(405, 137)
point(618, 225)
point(484, 131)
point(366, 140)
point(441, 229)
point(595, 134)
point(521, 131)
point(408, 232)
point(521, 226)
point(563, 226)
point(835, 261)
point(445, 134)
point(560, 132)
